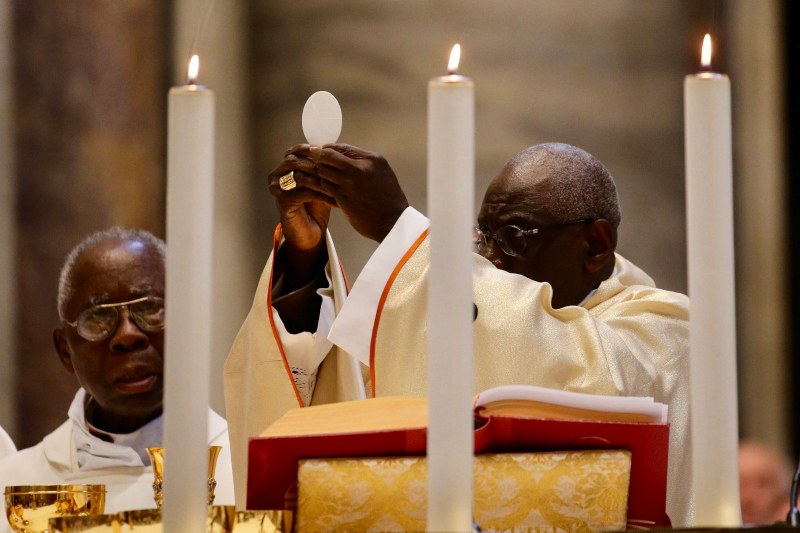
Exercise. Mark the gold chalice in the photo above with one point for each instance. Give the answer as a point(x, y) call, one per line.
point(213, 454)
point(157, 459)
point(29, 507)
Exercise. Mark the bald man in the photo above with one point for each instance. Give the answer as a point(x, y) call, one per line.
point(111, 339)
point(556, 306)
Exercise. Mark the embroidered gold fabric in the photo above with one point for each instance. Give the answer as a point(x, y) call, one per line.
point(546, 491)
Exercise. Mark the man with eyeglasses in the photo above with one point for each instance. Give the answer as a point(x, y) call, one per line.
point(111, 338)
point(555, 306)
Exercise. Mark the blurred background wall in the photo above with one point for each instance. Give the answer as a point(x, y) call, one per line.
point(82, 129)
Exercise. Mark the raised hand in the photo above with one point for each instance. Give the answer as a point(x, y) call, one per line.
point(304, 212)
point(362, 184)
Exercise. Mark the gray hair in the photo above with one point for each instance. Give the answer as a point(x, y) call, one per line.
point(581, 187)
point(65, 287)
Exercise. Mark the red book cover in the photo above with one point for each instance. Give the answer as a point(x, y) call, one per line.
point(273, 460)
point(379, 426)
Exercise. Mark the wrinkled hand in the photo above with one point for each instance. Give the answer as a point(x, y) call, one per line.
point(363, 186)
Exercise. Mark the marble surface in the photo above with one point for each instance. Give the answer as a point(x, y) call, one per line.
point(89, 120)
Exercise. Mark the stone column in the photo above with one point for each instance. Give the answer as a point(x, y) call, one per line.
point(90, 81)
point(8, 293)
point(756, 64)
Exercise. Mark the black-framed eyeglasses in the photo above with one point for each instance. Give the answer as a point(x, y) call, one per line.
point(511, 239)
point(100, 321)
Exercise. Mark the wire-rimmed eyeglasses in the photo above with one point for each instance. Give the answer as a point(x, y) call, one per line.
point(512, 240)
point(100, 321)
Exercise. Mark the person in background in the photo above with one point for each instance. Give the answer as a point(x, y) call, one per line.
point(765, 479)
point(111, 338)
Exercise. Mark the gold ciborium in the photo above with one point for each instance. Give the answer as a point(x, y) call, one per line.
point(29, 507)
point(157, 458)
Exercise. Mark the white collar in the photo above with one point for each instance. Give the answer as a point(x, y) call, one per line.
point(127, 449)
point(62, 446)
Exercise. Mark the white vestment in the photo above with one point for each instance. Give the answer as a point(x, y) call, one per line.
point(128, 480)
point(6, 444)
point(628, 338)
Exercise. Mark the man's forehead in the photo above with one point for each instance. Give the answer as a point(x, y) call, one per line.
point(514, 197)
point(121, 252)
point(133, 263)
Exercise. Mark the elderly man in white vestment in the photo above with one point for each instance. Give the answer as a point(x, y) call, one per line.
point(111, 338)
point(6, 444)
point(555, 306)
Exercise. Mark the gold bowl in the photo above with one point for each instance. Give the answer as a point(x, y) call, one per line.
point(30, 507)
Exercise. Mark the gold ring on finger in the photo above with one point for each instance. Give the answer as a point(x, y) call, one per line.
point(286, 182)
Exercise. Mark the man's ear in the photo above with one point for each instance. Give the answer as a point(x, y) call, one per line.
point(62, 349)
point(601, 242)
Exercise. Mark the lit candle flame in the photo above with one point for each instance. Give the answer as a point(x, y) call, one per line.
point(194, 69)
point(705, 55)
point(455, 57)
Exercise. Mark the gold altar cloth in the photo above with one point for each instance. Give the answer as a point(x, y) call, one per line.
point(547, 491)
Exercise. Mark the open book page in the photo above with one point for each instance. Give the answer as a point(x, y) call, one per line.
point(539, 402)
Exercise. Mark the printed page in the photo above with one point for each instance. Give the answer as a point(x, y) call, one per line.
point(593, 402)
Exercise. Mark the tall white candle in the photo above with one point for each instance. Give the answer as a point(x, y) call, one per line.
point(190, 186)
point(712, 319)
point(451, 176)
